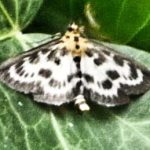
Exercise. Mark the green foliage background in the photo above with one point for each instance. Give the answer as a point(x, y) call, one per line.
point(120, 21)
point(28, 125)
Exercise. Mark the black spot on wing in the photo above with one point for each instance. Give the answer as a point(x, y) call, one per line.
point(19, 69)
point(46, 73)
point(26, 75)
point(63, 52)
point(54, 83)
point(99, 85)
point(32, 75)
point(19, 64)
point(51, 55)
point(113, 74)
point(21, 73)
point(34, 58)
point(45, 50)
point(70, 77)
point(57, 61)
point(99, 60)
point(118, 60)
point(133, 71)
point(89, 53)
point(88, 78)
point(64, 83)
point(107, 84)
point(106, 52)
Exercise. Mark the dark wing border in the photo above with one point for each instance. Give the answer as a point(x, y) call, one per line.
point(11, 61)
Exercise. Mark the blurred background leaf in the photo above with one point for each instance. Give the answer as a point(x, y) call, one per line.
point(28, 125)
point(120, 21)
point(15, 15)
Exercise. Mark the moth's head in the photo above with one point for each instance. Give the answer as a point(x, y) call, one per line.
point(75, 29)
point(73, 40)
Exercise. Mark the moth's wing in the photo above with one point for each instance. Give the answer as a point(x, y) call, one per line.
point(43, 72)
point(110, 78)
point(49, 46)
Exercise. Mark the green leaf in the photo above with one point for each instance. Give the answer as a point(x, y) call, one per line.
point(15, 15)
point(121, 21)
point(27, 125)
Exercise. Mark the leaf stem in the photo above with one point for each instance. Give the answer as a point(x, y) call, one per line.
point(4, 11)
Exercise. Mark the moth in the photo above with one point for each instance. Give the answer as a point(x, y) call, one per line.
point(76, 69)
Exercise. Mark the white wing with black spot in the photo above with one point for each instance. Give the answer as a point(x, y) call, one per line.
point(43, 71)
point(109, 78)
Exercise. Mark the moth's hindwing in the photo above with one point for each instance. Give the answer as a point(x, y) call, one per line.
point(43, 71)
point(109, 77)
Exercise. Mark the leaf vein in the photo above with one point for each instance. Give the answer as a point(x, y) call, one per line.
point(58, 132)
point(133, 129)
point(139, 29)
point(18, 117)
point(119, 16)
point(4, 11)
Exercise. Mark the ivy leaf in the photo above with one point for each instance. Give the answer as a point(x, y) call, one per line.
point(15, 15)
point(25, 124)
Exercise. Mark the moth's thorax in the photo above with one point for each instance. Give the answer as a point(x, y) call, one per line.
point(73, 41)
